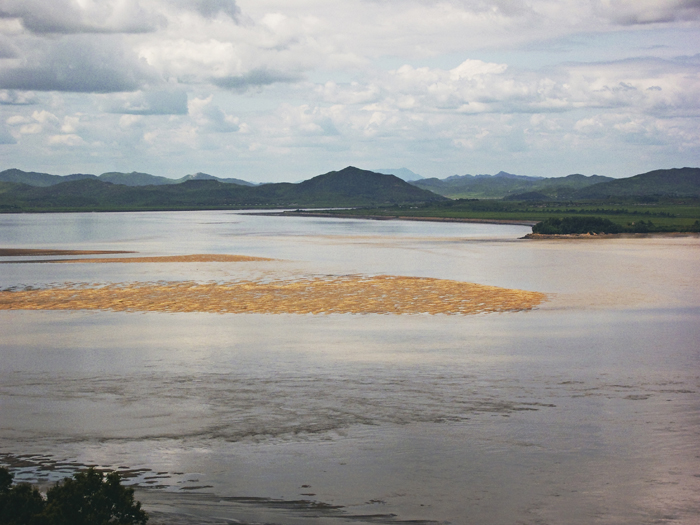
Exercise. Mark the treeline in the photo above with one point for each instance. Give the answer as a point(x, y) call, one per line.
point(612, 211)
point(597, 225)
point(88, 498)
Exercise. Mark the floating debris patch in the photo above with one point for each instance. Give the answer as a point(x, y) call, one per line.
point(352, 294)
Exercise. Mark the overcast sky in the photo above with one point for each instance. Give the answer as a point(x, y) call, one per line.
point(274, 90)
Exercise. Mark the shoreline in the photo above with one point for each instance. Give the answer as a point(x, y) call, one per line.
point(588, 236)
point(514, 222)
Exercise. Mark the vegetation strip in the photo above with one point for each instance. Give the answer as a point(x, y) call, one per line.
point(661, 215)
point(383, 294)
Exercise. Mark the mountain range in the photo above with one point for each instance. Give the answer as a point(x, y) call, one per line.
point(349, 187)
point(505, 185)
point(127, 179)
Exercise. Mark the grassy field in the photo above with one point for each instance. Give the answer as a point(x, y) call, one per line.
point(671, 215)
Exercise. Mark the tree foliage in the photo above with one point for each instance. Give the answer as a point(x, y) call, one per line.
point(568, 225)
point(88, 498)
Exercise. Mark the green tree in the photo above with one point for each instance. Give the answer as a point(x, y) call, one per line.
point(19, 504)
point(88, 498)
point(569, 225)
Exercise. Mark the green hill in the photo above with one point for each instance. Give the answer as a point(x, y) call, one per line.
point(345, 188)
point(505, 185)
point(126, 179)
point(205, 176)
point(135, 179)
point(39, 179)
point(679, 182)
point(365, 186)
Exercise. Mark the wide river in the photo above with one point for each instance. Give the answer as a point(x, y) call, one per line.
point(584, 410)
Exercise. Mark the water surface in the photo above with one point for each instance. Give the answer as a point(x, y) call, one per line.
point(582, 411)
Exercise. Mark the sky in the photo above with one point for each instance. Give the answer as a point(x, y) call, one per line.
point(273, 90)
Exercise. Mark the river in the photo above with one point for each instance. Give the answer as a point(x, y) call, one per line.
point(583, 410)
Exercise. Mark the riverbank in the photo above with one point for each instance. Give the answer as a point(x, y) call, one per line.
point(514, 222)
point(570, 236)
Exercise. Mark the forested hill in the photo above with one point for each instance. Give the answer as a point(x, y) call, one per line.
point(504, 185)
point(348, 187)
point(679, 182)
point(134, 178)
point(32, 178)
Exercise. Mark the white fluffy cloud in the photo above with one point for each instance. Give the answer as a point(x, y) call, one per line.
point(192, 84)
point(209, 117)
point(156, 102)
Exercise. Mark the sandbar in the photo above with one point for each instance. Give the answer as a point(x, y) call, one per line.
point(199, 258)
point(38, 252)
point(350, 294)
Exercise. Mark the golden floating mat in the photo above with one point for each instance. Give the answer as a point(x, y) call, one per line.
point(383, 294)
point(200, 258)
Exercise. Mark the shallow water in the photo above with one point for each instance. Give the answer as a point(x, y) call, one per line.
point(582, 411)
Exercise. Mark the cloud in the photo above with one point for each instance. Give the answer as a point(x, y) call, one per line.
point(212, 8)
point(17, 98)
point(87, 16)
point(5, 136)
point(7, 50)
point(654, 86)
point(352, 93)
point(254, 79)
point(38, 122)
point(66, 140)
point(635, 12)
point(167, 102)
point(309, 121)
point(77, 64)
point(210, 118)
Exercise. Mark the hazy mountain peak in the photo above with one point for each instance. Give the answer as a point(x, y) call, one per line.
point(401, 173)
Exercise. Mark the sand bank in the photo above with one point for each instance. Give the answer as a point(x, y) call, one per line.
point(38, 252)
point(383, 294)
point(197, 258)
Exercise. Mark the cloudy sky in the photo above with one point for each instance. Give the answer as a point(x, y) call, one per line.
point(282, 90)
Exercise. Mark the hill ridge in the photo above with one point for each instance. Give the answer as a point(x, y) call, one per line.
point(349, 187)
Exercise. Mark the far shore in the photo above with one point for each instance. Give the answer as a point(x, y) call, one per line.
point(570, 236)
point(393, 217)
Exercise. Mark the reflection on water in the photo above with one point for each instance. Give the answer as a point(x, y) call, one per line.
point(584, 411)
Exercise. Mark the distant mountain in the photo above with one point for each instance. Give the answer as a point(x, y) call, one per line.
point(678, 182)
point(502, 185)
point(135, 179)
point(205, 176)
point(499, 175)
point(39, 179)
point(366, 185)
point(345, 188)
point(401, 173)
point(126, 179)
